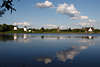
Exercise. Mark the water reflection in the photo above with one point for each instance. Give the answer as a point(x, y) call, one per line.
point(5, 37)
point(29, 37)
point(25, 36)
point(15, 36)
point(45, 60)
point(69, 54)
point(63, 55)
point(64, 48)
point(89, 40)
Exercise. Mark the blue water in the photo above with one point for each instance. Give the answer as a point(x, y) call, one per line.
point(49, 50)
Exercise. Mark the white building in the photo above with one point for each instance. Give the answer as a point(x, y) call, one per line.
point(25, 29)
point(15, 28)
point(90, 29)
point(29, 30)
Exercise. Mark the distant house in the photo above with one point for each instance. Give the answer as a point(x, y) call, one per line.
point(15, 28)
point(25, 29)
point(89, 29)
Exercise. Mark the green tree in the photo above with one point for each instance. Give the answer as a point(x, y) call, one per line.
point(5, 27)
point(6, 6)
point(42, 29)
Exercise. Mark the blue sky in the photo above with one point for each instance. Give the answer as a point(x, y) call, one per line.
point(28, 12)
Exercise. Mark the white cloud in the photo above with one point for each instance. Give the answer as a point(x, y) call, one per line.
point(83, 24)
point(22, 23)
point(70, 10)
point(63, 27)
point(79, 17)
point(91, 20)
point(55, 26)
point(46, 4)
point(50, 26)
point(67, 9)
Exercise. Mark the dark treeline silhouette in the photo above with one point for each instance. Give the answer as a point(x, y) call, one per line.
point(5, 27)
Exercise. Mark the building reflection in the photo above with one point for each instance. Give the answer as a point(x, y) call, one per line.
point(21, 38)
point(89, 40)
point(88, 37)
point(28, 36)
point(25, 36)
point(15, 37)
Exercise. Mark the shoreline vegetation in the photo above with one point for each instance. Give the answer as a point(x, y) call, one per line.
point(4, 29)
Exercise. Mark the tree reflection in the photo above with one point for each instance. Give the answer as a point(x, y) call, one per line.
point(5, 37)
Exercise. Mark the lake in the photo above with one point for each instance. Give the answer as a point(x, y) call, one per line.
point(49, 50)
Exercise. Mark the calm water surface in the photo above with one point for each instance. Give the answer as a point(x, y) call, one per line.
point(49, 50)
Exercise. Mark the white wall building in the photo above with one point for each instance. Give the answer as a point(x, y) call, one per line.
point(90, 29)
point(25, 29)
point(15, 28)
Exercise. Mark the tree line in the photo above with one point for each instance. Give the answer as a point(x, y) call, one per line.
point(10, 28)
point(5, 27)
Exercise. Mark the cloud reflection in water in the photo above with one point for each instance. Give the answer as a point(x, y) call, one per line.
point(62, 55)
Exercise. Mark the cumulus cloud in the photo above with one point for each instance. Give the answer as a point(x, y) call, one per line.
point(79, 17)
point(84, 24)
point(70, 10)
point(90, 22)
point(63, 27)
point(22, 23)
point(67, 9)
point(50, 26)
point(46, 4)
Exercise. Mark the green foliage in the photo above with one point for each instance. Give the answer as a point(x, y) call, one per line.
point(78, 30)
point(97, 30)
point(6, 5)
point(42, 29)
point(5, 27)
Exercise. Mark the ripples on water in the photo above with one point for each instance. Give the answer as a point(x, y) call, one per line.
point(28, 50)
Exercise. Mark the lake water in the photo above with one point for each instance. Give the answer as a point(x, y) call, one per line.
point(49, 50)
